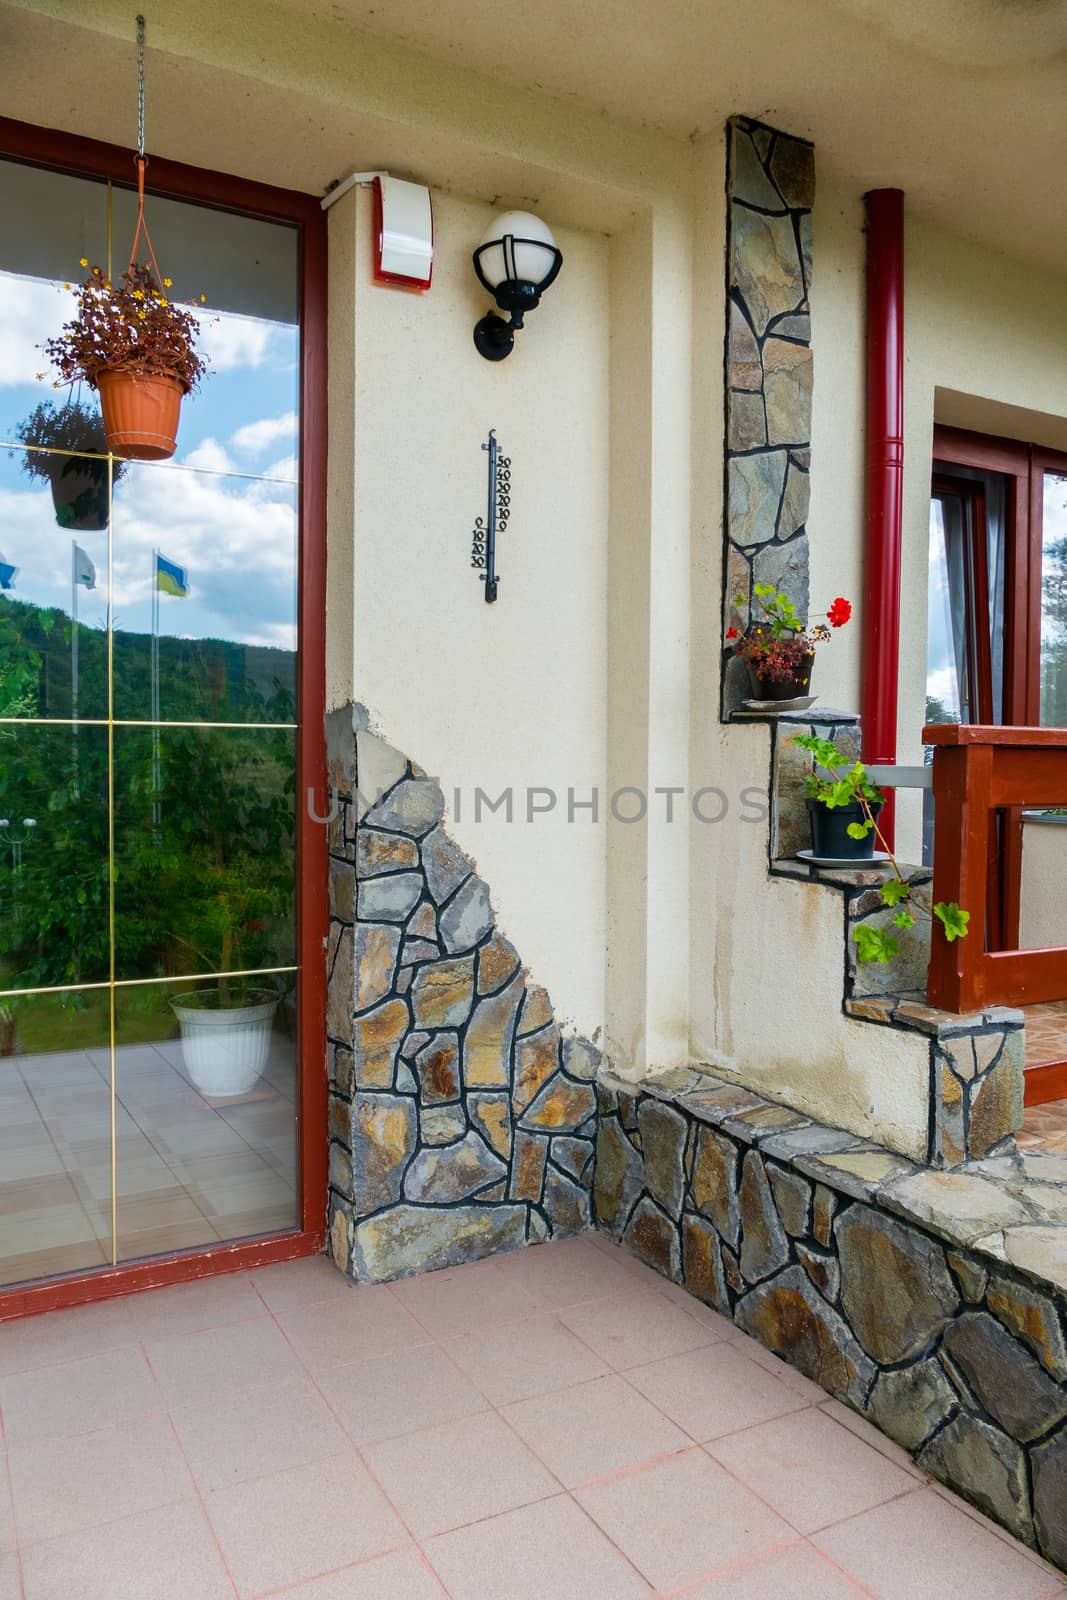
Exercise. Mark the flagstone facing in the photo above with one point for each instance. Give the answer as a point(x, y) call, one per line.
point(461, 1120)
point(769, 374)
point(932, 1302)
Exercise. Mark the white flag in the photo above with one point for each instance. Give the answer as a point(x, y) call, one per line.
point(84, 571)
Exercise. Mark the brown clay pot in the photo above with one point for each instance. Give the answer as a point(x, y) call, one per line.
point(141, 413)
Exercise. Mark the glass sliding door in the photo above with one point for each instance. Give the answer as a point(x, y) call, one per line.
point(149, 756)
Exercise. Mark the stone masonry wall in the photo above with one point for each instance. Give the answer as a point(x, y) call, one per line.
point(769, 370)
point(860, 1269)
point(461, 1120)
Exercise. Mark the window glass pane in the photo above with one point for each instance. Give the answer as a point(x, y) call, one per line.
point(209, 1147)
point(53, 546)
point(1054, 603)
point(204, 850)
point(942, 679)
point(206, 561)
point(55, 1134)
point(53, 856)
point(60, 219)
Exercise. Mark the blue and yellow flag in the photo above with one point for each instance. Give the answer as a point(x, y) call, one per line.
point(170, 578)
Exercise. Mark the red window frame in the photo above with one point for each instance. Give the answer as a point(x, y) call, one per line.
point(91, 158)
point(1024, 466)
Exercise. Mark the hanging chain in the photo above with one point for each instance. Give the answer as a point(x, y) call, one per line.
point(140, 86)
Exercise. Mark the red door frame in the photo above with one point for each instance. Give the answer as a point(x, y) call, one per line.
point(90, 158)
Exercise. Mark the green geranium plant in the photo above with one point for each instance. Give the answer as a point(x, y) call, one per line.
point(842, 785)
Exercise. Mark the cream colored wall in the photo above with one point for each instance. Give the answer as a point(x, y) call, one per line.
point(510, 695)
point(1043, 900)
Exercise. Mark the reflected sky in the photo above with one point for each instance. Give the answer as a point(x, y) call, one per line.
point(235, 534)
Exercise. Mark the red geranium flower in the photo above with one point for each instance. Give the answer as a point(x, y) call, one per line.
point(731, 633)
point(839, 612)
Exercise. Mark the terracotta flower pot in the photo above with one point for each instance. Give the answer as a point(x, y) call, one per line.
point(141, 414)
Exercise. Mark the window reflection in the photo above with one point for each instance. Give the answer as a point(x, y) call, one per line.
point(1054, 603)
point(163, 597)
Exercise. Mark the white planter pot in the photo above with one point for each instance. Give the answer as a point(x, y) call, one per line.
point(225, 1050)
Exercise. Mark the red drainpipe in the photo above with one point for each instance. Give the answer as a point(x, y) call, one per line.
point(885, 477)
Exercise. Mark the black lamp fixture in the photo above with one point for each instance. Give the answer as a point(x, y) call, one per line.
point(516, 261)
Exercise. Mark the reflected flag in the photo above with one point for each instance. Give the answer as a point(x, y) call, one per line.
point(170, 578)
point(84, 571)
point(7, 573)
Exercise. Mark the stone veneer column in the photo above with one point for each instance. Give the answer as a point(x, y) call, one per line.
point(461, 1120)
point(770, 192)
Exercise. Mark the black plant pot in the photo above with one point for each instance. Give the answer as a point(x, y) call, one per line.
point(829, 831)
point(765, 688)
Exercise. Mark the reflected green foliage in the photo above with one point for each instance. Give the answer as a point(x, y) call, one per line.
point(1054, 636)
point(204, 863)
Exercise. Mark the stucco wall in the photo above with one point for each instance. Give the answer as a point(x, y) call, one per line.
point(510, 695)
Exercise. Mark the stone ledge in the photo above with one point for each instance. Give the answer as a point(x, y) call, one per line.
point(909, 1010)
point(1011, 1207)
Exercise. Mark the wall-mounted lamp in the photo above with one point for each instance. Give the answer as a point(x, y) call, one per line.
point(516, 261)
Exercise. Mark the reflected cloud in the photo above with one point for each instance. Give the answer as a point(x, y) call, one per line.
point(254, 438)
point(31, 310)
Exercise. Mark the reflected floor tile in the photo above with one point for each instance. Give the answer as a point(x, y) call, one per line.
point(30, 1265)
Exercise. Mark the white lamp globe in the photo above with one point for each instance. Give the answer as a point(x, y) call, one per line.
point(530, 257)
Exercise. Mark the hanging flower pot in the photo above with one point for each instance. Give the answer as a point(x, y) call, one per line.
point(141, 414)
point(136, 346)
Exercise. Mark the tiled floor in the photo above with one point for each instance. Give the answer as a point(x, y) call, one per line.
point(558, 1424)
point(1045, 1128)
point(189, 1171)
point(1046, 1032)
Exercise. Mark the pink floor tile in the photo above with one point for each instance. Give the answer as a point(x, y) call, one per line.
point(465, 1299)
point(714, 1391)
point(67, 1484)
point(517, 1360)
point(297, 1524)
point(404, 1575)
point(550, 1551)
point(169, 1554)
point(383, 1398)
point(10, 1588)
point(566, 1273)
point(923, 1548)
point(595, 1429)
point(458, 1473)
point(64, 1336)
point(78, 1396)
point(353, 1327)
point(257, 1431)
point(292, 1284)
point(796, 1573)
point(199, 1367)
point(628, 1330)
point(811, 1469)
point(683, 1518)
point(191, 1307)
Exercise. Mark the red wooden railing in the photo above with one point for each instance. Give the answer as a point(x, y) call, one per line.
point(978, 772)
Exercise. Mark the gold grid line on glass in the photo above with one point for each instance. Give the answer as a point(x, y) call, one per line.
point(142, 983)
point(138, 722)
point(165, 466)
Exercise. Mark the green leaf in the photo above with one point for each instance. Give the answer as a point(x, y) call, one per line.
point(859, 830)
point(952, 919)
point(874, 944)
point(904, 919)
point(764, 588)
point(894, 890)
